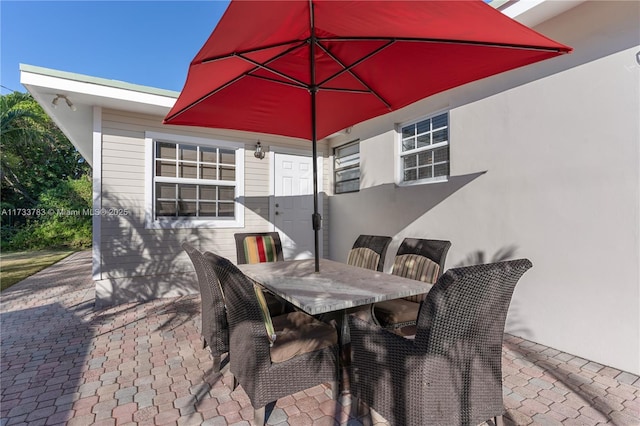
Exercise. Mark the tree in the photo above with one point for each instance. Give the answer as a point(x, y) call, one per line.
point(35, 153)
point(36, 158)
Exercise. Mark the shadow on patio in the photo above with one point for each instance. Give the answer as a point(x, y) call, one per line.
point(63, 362)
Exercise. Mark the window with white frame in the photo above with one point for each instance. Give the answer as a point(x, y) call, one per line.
point(346, 167)
point(424, 153)
point(194, 181)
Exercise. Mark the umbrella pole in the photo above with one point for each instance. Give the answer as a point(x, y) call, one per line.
point(316, 219)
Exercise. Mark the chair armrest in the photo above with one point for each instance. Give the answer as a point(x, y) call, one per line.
point(382, 338)
point(364, 313)
point(248, 347)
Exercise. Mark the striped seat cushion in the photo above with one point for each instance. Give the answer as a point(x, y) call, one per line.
point(416, 267)
point(293, 333)
point(260, 249)
point(266, 315)
point(363, 257)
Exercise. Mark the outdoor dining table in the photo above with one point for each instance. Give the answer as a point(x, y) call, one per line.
point(337, 289)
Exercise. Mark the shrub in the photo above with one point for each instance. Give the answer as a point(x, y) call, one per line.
point(64, 224)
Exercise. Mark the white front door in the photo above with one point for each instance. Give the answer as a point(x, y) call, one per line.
point(292, 204)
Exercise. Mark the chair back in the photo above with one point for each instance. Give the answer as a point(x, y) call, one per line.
point(369, 252)
point(434, 250)
point(215, 329)
point(261, 378)
point(460, 327)
point(422, 260)
point(248, 342)
point(258, 247)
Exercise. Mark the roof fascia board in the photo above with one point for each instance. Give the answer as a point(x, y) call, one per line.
point(98, 81)
point(496, 4)
point(92, 89)
point(520, 7)
point(534, 12)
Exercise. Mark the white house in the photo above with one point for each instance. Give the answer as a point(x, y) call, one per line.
point(541, 162)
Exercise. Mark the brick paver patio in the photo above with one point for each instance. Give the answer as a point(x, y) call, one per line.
point(63, 362)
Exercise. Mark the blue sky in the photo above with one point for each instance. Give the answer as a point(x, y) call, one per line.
point(142, 42)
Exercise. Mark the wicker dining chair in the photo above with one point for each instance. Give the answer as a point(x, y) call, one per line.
point(261, 247)
point(418, 259)
point(451, 373)
point(278, 357)
point(258, 247)
point(369, 252)
point(214, 329)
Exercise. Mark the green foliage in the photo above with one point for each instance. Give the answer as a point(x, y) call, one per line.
point(40, 168)
point(64, 222)
point(35, 153)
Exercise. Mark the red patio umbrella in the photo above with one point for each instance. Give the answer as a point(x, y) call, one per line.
point(310, 68)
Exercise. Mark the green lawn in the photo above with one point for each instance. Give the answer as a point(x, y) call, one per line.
point(17, 266)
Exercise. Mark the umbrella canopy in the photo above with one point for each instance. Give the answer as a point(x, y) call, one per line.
point(310, 68)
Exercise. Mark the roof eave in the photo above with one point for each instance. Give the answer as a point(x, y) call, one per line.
point(86, 92)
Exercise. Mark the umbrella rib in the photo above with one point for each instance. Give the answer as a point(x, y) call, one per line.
point(450, 41)
point(211, 93)
point(286, 83)
point(299, 84)
point(274, 71)
point(340, 89)
point(298, 43)
point(349, 69)
point(414, 39)
point(320, 89)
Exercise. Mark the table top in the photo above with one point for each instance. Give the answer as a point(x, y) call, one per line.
point(336, 287)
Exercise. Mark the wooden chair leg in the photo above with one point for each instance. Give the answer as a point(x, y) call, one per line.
point(258, 416)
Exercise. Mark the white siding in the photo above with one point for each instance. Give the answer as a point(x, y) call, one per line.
point(138, 263)
point(545, 162)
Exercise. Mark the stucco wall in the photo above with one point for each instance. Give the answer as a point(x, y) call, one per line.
point(544, 165)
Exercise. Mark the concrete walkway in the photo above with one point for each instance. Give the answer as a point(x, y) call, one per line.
point(63, 362)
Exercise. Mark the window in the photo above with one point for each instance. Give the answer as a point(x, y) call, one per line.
point(346, 167)
point(195, 182)
point(424, 154)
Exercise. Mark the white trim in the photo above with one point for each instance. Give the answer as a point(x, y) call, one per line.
point(427, 181)
point(398, 153)
point(293, 151)
point(534, 12)
point(521, 7)
point(272, 188)
point(148, 179)
point(62, 84)
point(333, 166)
point(424, 148)
point(174, 137)
point(96, 268)
point(169, 223)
